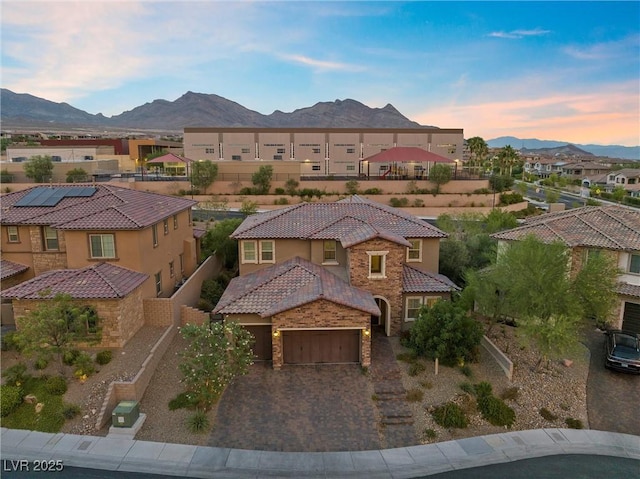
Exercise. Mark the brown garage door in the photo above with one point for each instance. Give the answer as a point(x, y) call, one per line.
point(262, 347)
point(631, 318)
point(326, 346)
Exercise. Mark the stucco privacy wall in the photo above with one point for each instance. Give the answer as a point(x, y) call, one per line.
point(321, 314)
point(167, 311)
point(134, 390)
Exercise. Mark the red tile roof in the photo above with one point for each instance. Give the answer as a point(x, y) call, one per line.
point(606, 227)
point(415, 280)
point(405, 154)
point(287, 285)
point(350, 221)
point(10, 268)
point(110, 207)
point(170, 158)
point(99, 281)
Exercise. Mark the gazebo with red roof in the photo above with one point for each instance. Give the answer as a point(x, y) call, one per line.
point(172, 159)
point(397, 156)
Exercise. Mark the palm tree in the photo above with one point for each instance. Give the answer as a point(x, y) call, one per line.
point(478, 149)
point(507, 158)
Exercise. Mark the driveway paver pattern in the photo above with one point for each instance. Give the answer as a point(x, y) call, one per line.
point(311, 408)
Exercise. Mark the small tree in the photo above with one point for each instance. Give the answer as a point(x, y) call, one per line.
point(291, 187)
point(217, 241)
point(203, 174)
point(55, 326)
point(261, 179)
point(352, 187)
point(39, 168)
point(552, 196)
point(76, 175)
point(216, 354)
point(619, 193)
point(446, 332)
point(595, 287)
point(249, 207)
point(440, 174)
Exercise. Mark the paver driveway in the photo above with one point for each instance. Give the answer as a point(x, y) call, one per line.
point(612, 397)
point(299, 408)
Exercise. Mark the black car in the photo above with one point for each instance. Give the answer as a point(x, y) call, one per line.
point(622, 350)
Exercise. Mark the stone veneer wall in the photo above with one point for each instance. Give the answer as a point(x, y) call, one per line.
point(317, 315)
point(189, 315)
point(47, 260)
point(390, 287)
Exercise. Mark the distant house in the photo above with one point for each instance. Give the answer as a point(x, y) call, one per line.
point(627, 178)
point(612, 228)
point(104, 245)
point(580, 170)
point(315, 277)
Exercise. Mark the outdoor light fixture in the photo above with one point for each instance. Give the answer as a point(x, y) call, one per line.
point(276, 333)
point(367, 332)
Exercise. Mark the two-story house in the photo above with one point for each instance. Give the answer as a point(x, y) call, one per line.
point(315, 277)
point(615, 229)
point(627, 178)
point(107, 246)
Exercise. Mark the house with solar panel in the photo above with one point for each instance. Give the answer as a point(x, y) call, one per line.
point(106, 246)
point(317, 278)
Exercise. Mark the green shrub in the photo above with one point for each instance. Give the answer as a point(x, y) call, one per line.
point(416, 368)
point(426, 384)
point(279, 191)
point(198, 422)
point(204, 305)
point(10, 399)
point(104, 357)
point(373, 191)
point(69, 411)
point(69, 357)
point(430, 434)
point(510, 198)
point(468, 388)
point(211, 291)
point(16, 374)
point(483, 389)
point(281, 201)
point(547, 415)
point(408, 357)
point(450, 415)
point(10, 341)
point(352, 187)
point(182, 401)
point(399, 202)
point(496, 411)
point(418, 203)
point(56, 385)
point(574, 423)
point(83, 365)
point(415, 395)
point(466, 370)
point(41, 362)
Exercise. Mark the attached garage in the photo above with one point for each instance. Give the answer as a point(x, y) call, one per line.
point(262, 348)
point(321, 346)
point(631, 317)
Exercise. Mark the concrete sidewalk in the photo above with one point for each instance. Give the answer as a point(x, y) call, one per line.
point(208, 462)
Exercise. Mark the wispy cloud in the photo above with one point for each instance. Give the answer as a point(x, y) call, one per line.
point(605, 50)
point(321, 64)
point(516, 34)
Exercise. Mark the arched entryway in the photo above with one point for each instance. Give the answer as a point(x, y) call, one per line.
point(383, 319)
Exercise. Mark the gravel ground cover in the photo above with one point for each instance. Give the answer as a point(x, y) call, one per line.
point(556, 387)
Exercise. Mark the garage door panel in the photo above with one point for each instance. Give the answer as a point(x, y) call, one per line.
point(631, 317)
point(321, 346)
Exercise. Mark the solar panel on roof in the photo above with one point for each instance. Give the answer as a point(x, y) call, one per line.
point(48, 196)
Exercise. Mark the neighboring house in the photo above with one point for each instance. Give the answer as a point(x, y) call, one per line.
point(315, 277)
point(627, 178)
point(580, 170)
point(141, 244)
point(612, 228)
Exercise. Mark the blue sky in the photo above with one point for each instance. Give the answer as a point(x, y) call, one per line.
point(550, 70)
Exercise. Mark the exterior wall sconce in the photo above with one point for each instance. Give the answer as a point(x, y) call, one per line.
point(276, 333)
point(367, 332)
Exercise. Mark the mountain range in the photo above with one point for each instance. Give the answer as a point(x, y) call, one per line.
point(21, 110)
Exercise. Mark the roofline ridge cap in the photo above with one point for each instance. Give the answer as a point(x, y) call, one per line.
point(104, 278)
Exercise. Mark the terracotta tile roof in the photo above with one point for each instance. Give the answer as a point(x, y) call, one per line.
point(404, 154)
point(627, 289)
point(170, 158)
point(345, 220)
point(287, 285)
point(10, 268)
point(99, 281)
point(110, 207)
point(418, 281)
point(606, 227)
point(199, 232)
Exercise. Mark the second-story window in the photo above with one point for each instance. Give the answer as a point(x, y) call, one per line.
point(12, 234)
point(414, 252)
point(154, 232)
point(50, 237)
point(634, 263)
point(377, 264)
point(267, 252)
point(165, 225)
point(102, 246)
point(329, 251)
point(249, 252)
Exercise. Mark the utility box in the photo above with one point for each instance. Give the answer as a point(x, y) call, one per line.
point(125, 414)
